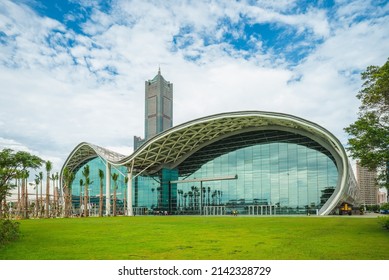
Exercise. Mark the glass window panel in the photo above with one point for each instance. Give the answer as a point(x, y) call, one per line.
point(289, 174)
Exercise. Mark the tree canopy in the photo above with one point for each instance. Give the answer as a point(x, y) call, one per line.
point(369, 134)
point(12, 165)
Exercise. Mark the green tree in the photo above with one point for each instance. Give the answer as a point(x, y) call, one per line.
point(25, 175)
point(115, 177)
point(53, 201)
point(86, 173)
point(37, 181)
point(56, 194)
point(369, 134)
point(68, 178)
point(101, 176)
point(11, 165)
point(80, 200)
point(384, 206)
point(126, 205)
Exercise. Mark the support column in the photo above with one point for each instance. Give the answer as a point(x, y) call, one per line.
point(129, 194)
point(130, 211)
point(201, 198)
point(108, 189)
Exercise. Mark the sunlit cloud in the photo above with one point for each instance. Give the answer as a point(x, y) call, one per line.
point(74, 71)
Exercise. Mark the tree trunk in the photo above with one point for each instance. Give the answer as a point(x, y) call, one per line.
point(114, 202)
point(41, 200)
point(47, 215)
point(80, 202)
point(66, 202)
point(101, 201)
point(19, 201)
point(36, 201)
point(1, 209)
point(22, 198)
point(27, 210)
point(86, 212)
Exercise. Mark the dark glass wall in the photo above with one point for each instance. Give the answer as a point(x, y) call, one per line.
point(285, 173)
point(94, 188)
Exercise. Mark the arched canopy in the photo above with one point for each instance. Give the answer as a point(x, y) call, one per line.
point(86, 151)
point(176, 144)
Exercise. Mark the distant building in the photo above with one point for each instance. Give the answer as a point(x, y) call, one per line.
point(382, 197)
point(158, 108)
point(368, 189)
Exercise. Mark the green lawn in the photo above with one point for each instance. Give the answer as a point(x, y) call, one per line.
point(192, 238)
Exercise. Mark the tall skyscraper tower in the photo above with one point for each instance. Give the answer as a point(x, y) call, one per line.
point(159, 105)
point(367, 185)
point(158, 108)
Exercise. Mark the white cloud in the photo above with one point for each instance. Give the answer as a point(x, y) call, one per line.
point(59, 88)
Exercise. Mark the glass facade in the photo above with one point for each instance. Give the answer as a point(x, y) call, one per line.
point(255, 173)
point(94, 187)
point(277, 173)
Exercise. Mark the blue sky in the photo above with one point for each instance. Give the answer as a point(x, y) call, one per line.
point(73, 71)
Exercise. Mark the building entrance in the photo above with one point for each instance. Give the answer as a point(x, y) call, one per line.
point(261, 209)
point(214, 210)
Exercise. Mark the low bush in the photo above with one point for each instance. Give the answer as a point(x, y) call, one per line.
point(384, 221)
point(9, 231)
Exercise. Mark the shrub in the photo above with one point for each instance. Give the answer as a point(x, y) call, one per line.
point(9, 231)
point(384, 206)
point(384, 221)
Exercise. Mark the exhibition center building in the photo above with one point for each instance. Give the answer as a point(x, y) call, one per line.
point(249, 162)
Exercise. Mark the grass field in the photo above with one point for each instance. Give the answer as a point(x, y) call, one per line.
point(203, 238)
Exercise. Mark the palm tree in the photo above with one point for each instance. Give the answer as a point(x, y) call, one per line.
point(180, 192)
point(179, 195)
point(203, 193)
point(56, 197)
point(214, 194)
point(195, 196)
point(185, 196)
point(53, 203)
point(101, 176)
point(209, 190)
point(86, 173)
point(18, 177)
point(68, 178)
point(159, 199)
point(152, 196)
point(37, 181)
point(81, 185)
point(25, 175)
point(125, 204)
point(49, 166)
point(182, 199)
point(190, 194)
point(115, 177)
point(41, 200)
